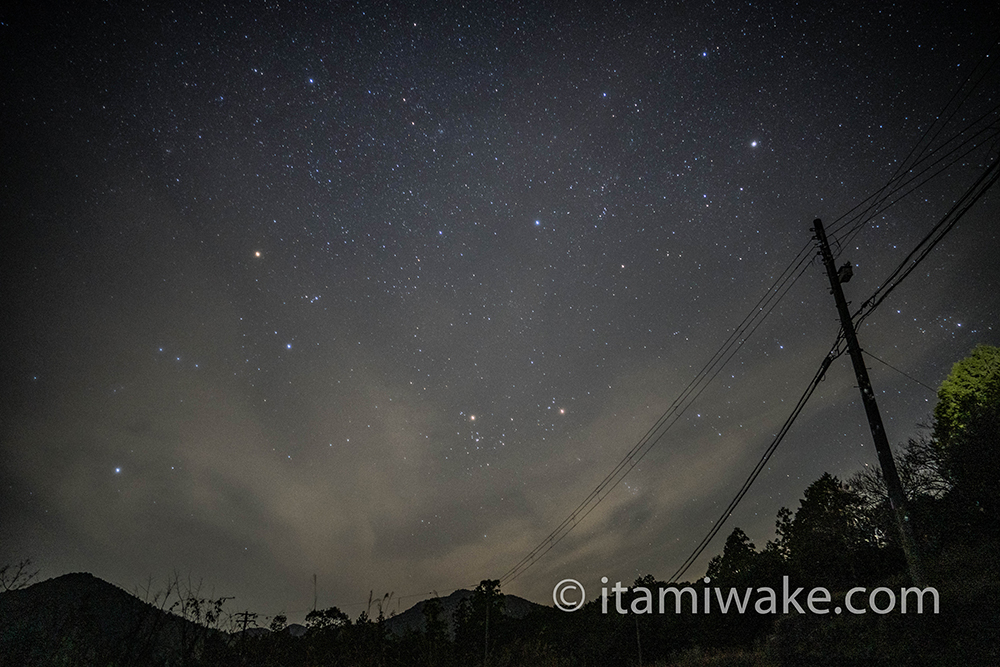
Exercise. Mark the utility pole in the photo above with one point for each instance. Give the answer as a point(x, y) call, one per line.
point(486, 640)
point(246, 617)
point(638, 644)
point(889, 473)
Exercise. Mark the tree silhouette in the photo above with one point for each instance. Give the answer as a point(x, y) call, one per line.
point(974, 382)
point(967, 431)
point(738, 559)
point(435, 631)
point(827, 533)
point(480, 621)
point(322, 619)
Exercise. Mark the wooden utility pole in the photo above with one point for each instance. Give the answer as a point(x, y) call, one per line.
point(638, 644)
point(246, 617)
point(896, 497)
point(486, 640)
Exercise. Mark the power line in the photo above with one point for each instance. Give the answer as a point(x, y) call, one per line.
point(912, 184)
point(876, 204)
point(984, 65)
point(692, 391)
point(673, 413)
point(904, 374)
point(983, 60)
point(762, 463)
point(979, 188)
point(923, 248)
point(751, 322)
point(911, 179)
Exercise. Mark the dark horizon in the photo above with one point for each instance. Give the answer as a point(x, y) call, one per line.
point(380, 294)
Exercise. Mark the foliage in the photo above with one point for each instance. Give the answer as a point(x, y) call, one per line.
point(318, 620)
point(972, 385)
point(827, 532)
point(736, 562)
point(434, 644)
point(480, 621)
point(967, 436)
point(278, 623)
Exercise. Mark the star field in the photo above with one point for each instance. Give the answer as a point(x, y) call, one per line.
point(380, 293)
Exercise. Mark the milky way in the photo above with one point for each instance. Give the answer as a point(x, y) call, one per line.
point(380, 293)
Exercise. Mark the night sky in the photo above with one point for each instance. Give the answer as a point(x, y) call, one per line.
point(381, 292)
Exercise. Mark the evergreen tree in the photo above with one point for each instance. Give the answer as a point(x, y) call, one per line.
point(738, 560)
point(829, 530)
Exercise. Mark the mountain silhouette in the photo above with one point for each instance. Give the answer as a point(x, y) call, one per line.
point(413, 618)
point(78, 619)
